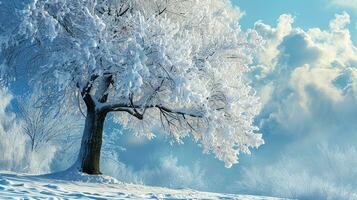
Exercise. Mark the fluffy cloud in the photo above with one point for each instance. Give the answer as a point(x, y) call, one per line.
point(308, 85)
point(295, 59)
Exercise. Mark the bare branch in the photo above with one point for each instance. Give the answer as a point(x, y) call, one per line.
point(125, 107)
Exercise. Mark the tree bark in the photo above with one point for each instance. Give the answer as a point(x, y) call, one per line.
point(89, 155)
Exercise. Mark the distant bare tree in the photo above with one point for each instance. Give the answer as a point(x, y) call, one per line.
point(43, 126)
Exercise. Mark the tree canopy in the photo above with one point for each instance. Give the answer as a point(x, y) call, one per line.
point(168, 66)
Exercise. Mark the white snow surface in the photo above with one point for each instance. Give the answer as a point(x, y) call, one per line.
point(79, 186)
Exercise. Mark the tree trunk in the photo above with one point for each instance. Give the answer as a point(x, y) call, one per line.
point(89, 156)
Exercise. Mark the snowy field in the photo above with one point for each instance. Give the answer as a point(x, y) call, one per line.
point(21, 186)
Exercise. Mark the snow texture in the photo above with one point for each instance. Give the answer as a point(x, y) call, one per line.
point(15, 186)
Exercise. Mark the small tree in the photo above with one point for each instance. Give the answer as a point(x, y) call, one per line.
point(44, 125)
point(174, 66)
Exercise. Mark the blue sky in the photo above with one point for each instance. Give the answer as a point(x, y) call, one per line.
point(308, 13)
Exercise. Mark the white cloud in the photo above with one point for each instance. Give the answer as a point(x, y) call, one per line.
point(309, 88)
point(294, 58)
point(273, 37)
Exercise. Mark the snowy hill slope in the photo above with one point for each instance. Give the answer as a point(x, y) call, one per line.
point(18, 186)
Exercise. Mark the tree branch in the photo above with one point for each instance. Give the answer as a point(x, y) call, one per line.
point(130, 109)
point(85, 92)
point(102, 95)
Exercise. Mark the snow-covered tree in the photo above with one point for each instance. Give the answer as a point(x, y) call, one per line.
point(160, 65)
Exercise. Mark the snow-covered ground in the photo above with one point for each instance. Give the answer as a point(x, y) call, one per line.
point(21, 186)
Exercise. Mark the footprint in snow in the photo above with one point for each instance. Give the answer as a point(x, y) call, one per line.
point(77, 195)
point(33, 189)
point(51, 186)
point(18, 184)
point(121, 194)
